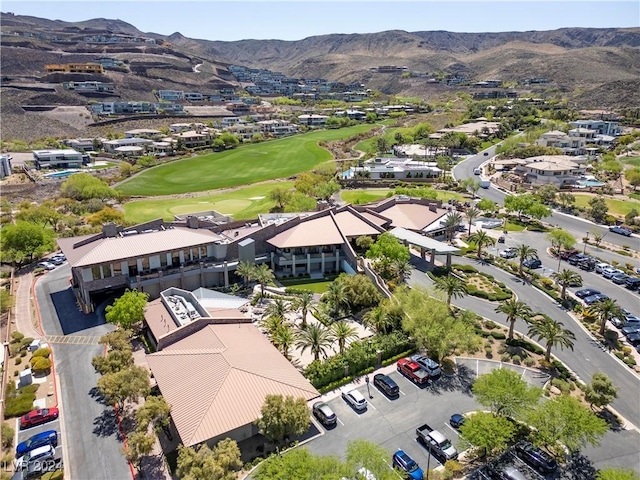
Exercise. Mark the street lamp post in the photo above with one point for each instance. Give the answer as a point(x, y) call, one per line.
point(366, 379)
point(585, 239)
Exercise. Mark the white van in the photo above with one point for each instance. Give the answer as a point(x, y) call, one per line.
point(477, 171)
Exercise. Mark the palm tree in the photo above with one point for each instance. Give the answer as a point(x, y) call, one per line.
point(481, 239)
point(525, 252)
point(553, 333)
point(303, 303)
point(450, 224)
point(246, 270)
point(277, 308)
point(401, 269)
point(271, 324)
point(263, 275)
point(315, 337)
point(343, 332)
point(566, 278)
point(451, 286)
point(605, 311)
point(514, 309)
point(337, 298)
point(471, 214)
point(283, 338)
point(377, 319)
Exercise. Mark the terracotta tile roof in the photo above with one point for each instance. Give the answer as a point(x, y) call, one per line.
point(216, 379)
point(104, 250)
point(309, 233)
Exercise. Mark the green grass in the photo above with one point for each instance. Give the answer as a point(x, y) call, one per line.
point(513, 227)
point(244, 165)
point(616, 207)
point(635, 161)
point(243, 203)
point(320, 286)
point(364, 196)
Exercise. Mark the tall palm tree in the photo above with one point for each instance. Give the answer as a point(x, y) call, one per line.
point(514, 309)
point(303, 303)
point(553, 333)
point(337, 298)
point(525, 252)
point(271, 324)
point(472, 213)
point(246, 270)
point(283, 338)
point(343, 332)
point(317, 338)
point(481, 239)
point(450, 224)
point(605, 311)
point(277, 308)
point(378, 320)
point(451, 286)
point(401, 269)
point(566, 278)
point(263, 275)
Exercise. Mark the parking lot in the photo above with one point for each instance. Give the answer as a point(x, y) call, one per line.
point(22, 435)
point(392, 423)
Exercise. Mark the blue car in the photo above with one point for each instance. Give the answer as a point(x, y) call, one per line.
point(408, 465)
point(49, 437)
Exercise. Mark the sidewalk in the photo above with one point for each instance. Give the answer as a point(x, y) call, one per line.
point(25, 321)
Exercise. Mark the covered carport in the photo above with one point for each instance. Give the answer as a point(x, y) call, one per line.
point(425, 244)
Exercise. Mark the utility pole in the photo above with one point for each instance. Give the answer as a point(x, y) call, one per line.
point(366, 379)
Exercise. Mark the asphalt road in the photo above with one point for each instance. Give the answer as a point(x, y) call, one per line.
point(91, 433)
point(576, 226)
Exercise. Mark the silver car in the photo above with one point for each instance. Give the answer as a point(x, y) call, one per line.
point(354, 398)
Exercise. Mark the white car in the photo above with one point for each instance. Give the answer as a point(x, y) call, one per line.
point(610, 272)
point(509, 253)
point(354, 398)
point(37, 454)
point(46, 265)
point(601, 266)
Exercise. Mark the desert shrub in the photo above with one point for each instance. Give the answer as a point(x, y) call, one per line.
point(7, 433)
point(42, 352)
point(454, 467)
point(505, 357)
point(498, 335)
point(529, 362)
point(23, 353)
point(630, 361)
point(18, 360)
point(26, 341)
point(19, 402)
point(516, 360)
point(547, 282)
point(561, 385)
point(490, 324)
point(40, 364)
point(626, 350)
point(16, 337)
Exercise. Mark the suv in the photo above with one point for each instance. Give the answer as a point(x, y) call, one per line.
point(621, 231)
point(509, 253)
point(601, 266)
point(633, 283)
point(588, 264)
point(532, 263)
point(408, 465)
point(354, 398)
point(536, 458)
point(49, 437)
point(620, 278)
point(386, 385)
point(610, 272)
point(37, 454)
point(431, 366)
point(577, 258)
point(324, 414)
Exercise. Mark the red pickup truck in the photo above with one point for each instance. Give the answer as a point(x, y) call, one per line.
point(412, 371)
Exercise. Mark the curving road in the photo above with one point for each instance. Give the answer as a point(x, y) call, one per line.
point(578, 227)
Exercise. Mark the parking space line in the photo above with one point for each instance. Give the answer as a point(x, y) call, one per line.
point(451, 428)
point(372, 405)
point(401, 392)
point(340, 422)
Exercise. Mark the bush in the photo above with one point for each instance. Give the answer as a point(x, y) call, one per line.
point(42, 352)
point(561, 385)
point(18, 360)
point(630, 361)
point(626, 350)
point(7, 433)
point(529, 362)
point(516, 360)
point(498, 335)
point(40, 364)
point(464, 268)
point(505, 357)
point(16, 337)
point(19, 402)
point(490, 325)
point(26, 341)
point(530, 347)
point(454, 467)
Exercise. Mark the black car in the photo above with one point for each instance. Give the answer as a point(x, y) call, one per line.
point(587, 292)
point(324, 414)
point(634, 339)
point(532, 263)
point(535, 457)
point(630, 330)
point(598, 297)
point(386, 384)
point(633, 283)
point(621, 231)
point(588, 264)
point(577, 258)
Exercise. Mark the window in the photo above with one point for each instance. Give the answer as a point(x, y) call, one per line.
point(95, 272)
point(133, 267)
point(117, 268)
point(106, 270)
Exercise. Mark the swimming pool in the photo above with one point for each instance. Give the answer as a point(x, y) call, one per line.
point(489, 222)
point(590, 183)
point(62, 174)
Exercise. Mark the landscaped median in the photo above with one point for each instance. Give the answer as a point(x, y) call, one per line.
point(478, 284)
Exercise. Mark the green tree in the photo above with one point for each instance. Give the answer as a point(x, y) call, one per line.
point(560, 240)
point(564, 421)
point(481, 239)
point(487, 205)
point(552, 332)
point(300, 203)
point(472, 214)
point(505, 393)
point(547, 194)
point(601, 391)
point(263, 275)
point(514, 309)
point(604, 311)
point(489, 432)
point(128, 310)
point(7, 432)
point(303, 303)
point(139, 444)
point(317, 338)
point(155, 412)
point(343, 332)
point(336, 298)
point(598, 209)
point(597, 237)
point(106, 215)
point(83, 186)
point(113, 362)
point(125, 385)
point(6, 301)
point(364, 242)
point(388, 246)
point(283, 337)
point(471, 185)
point(519, 203)
point(538, 211)
point(364, 454)
point(23, 240)
point(566, 278)
point(378, 320)
point(246, 270)
point(360, 291)
point(617, 473)
point(300, 464)
point(524, 252)
point(277, 308)
point(202, 463)
point(119, 339)
point(566, 199)
point(451, 286)
point(450, 223)
point(282, 417)
point(281, 196)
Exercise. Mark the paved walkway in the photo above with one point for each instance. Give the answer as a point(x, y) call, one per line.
point(25, 319)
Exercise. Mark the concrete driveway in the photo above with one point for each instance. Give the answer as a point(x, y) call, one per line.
point(91, 434)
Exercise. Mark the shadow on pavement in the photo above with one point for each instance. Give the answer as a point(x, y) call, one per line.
point(95, 394)
point(70, 318)
point(579, 467)
point(105, 424)
point(460, 382)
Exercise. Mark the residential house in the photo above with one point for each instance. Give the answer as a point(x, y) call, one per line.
point(143, 133)
point(58, 158)
point(193, 138)
point(312, 120)
point(602, 127)
point(170, 95)
point(109, 63)
point(74, 68)
point(83, 144)
point(111, 146)
point(89, 87)
point(570, 144)
point(245, 131)
point(399, 168)
point(277, 127)
point(559, 170)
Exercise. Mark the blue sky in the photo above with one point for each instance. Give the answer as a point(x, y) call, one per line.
point(294, 20)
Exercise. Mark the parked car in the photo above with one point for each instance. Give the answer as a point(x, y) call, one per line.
point(600, 266)
point(431, 366)
point(386, 384)
point(566, 254)
point(633, 283)
point(619, 321)
point(587, 292)
point(354, 398)
point(38, 417)
point(535, 457)
point(456, 420)
point(634, 339)
point(501, 239)
point(39, 454)
point(599, 297)
point(621, 231)
point(630, 330)
point(577, 258)
point(620, 278)
point(408, 465)
point(532, 263)
point(48, 437)
point(610, 272)
point(509, 253)
point(57, 261)
point(324, 414)
point(511, 473)
point(46, 265)
point(588, 264)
